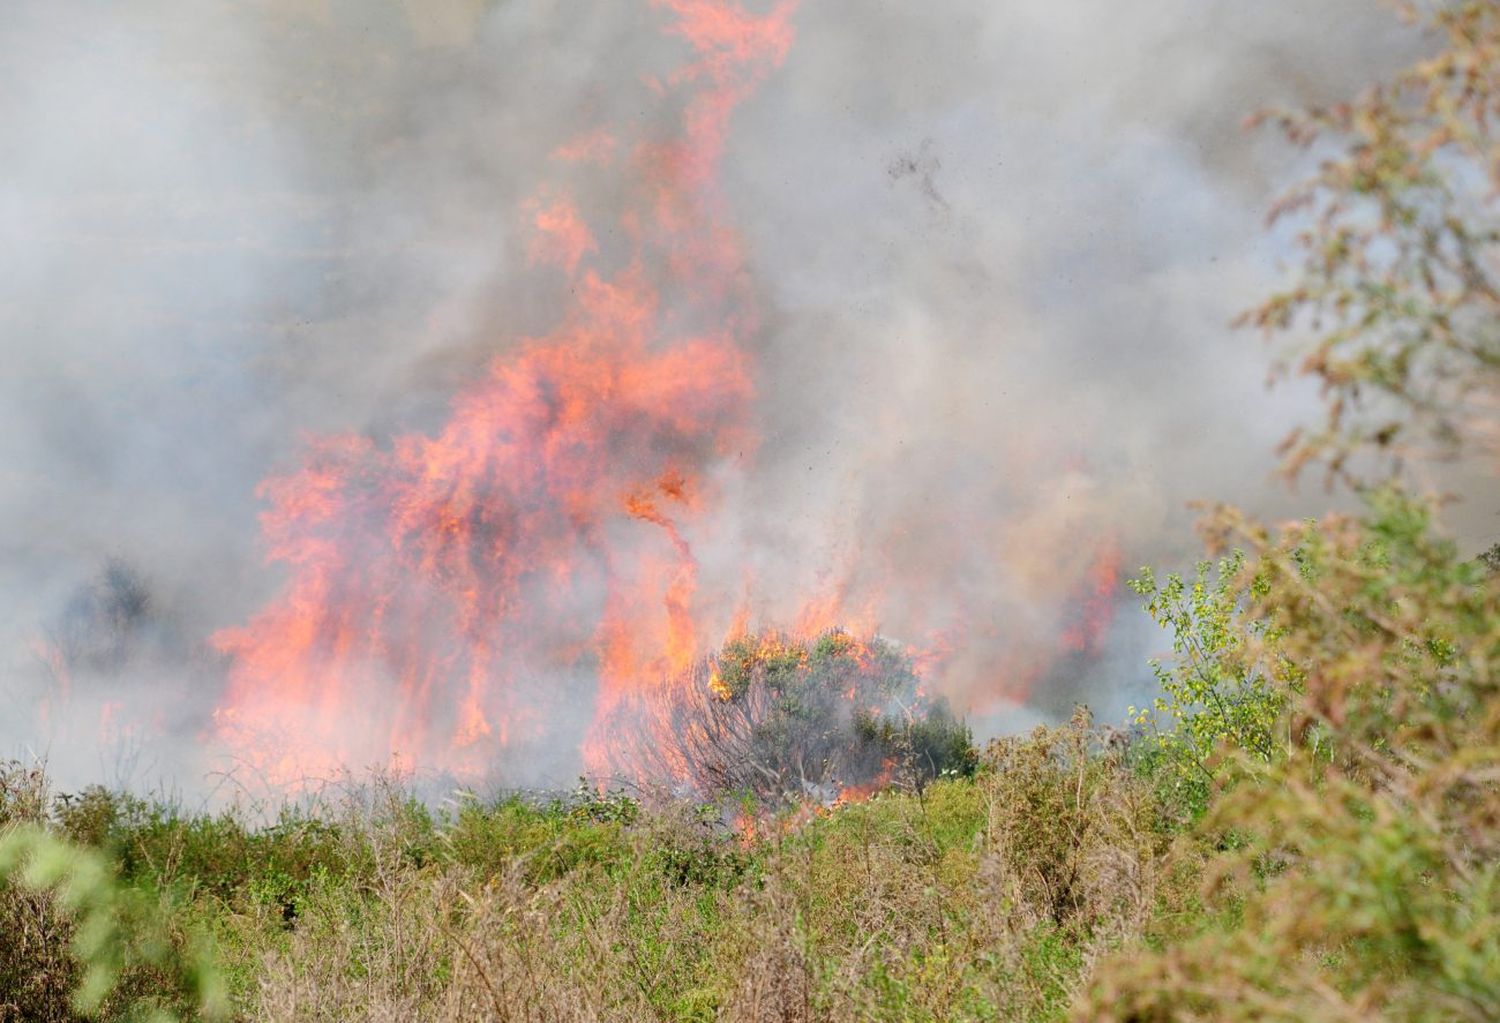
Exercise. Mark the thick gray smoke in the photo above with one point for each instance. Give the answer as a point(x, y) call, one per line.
point(997, 243)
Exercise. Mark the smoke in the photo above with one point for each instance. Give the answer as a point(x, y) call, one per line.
point(996, 248)
point(1005, 313)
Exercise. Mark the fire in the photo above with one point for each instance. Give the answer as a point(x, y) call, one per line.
point(440, 587)
point(526, 575)
point(1096, 602)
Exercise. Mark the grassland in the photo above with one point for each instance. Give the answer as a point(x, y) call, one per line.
point(975, 898)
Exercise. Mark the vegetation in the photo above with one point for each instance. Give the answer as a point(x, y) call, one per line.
point(1305, 825)
point(781, 720)
point(1360, 871)
point(1398, 234)
point(974, 898)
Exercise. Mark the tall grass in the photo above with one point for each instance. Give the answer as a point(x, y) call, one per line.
point(978, 898)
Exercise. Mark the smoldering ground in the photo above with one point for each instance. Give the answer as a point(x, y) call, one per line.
point(996, 247)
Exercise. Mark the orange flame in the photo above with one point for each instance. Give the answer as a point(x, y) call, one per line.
point(544, 529)
point(448, 596)
point(1096, 602)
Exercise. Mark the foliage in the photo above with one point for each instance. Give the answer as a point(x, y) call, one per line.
point(782, 719)
point(1305, 826)
point(1227, 683)
point(1072, 829)
point(1366, 865)
point(926, 743)
point(126, 945)
point(917, 905)
point(1357, 874)
point(1399, 230)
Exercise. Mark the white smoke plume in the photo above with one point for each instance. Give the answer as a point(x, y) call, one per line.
point(997, 247)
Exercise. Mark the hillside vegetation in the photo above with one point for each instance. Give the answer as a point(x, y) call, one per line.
point(1305, 826)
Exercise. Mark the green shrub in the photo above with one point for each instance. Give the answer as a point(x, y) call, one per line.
point(132, 959)
point(1363, 875)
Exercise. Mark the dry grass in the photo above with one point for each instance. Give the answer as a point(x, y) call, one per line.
point(36, 972)
point(973, 899)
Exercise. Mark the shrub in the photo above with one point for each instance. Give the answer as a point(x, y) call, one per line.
point(783, 720)
point(1361, 881)
point(125, 947)
point(1364, 869)
point(1071, 831)
point(1226, 686)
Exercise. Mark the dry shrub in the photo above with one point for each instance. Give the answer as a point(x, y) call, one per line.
point(977, 900)
point(773, 980)
point(37, 972)
point(919, 905)
point(24, 793)
point(379, 955)
point(80, 942)
point(782, 719)
point(511, 964)
point(600, 942)
point(538, 935)
point(1071, 836)
point(373, 943)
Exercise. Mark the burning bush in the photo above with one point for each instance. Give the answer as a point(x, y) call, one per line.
point(782, 719)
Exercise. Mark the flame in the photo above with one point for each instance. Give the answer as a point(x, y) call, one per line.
point(562, 238)
point(59, 678)
point(452, 597)
point(1096, 602)
point(597, 146)
point(436, 585)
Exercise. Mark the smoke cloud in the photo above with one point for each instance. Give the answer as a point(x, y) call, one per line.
point(996, 248)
